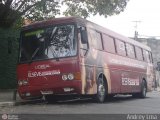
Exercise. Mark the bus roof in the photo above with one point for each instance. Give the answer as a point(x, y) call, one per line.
point(52, 21)
point(88, 24)
point(116, 35)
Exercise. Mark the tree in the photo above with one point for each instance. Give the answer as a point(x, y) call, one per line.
point(102, 7)
point(15, 11)
point(11, 10)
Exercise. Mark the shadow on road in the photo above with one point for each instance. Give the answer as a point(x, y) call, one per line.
point(78, 101)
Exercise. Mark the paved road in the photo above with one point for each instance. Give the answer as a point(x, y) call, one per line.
point(118, 105)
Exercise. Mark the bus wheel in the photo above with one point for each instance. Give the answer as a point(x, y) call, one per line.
point(143, 89)
point(143, 92)
point(101, 91)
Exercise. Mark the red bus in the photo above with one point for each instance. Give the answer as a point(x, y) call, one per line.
point(73, 56)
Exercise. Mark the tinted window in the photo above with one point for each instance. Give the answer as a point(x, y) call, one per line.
point(150, 57)
point(108, 43)
point(146, 55)
point(120, 45)
point(50, 42)
point(130, 50)
point(139, 54)
point(96, 39)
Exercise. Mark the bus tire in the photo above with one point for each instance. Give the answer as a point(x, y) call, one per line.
point(101, 90)
point(143, 92)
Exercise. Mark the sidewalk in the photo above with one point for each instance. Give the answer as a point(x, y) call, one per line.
point(8, 98)
point(11, 98)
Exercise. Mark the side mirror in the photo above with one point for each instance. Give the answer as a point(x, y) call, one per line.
point(10, 45)
point(84, 36)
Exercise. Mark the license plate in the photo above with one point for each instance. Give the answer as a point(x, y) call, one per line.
point(46, 92)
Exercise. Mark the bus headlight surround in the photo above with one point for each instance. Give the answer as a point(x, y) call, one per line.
point(64, 77)
point(70, 76)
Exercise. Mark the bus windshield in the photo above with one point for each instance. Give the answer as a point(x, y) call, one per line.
point(47, 43)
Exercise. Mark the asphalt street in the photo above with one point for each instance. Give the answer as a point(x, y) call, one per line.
point(118, 105)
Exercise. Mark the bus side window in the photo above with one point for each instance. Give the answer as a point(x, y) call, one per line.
point(139, 53)
point(120, 45)
point(108, 43)
point(96, 39)
point(146, 56)
point(150, 57)
point(130, 50)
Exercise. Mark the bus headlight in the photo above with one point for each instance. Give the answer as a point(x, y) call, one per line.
point(25, 82)
point(70, 76)
point(22, 82)
point(64, 77)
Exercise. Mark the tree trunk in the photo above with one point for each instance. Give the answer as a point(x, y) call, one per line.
point(7, 16)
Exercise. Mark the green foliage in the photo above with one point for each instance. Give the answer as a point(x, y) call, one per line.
point(18, 24)
point(42, 10)
point(8, 61)
point(85, 8)
point(35, 10)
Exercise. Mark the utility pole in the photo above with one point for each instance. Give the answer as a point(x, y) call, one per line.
point(136, 31)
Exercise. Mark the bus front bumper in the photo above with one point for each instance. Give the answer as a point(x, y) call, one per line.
point(30, 92)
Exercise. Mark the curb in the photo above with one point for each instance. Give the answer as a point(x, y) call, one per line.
point(16, 103)
point(4, 104)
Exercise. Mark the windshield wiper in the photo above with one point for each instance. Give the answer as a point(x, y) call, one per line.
point(34, 53)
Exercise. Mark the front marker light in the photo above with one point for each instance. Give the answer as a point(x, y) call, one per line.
point(70, 76)
point(64, 77)
point(20, 83)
